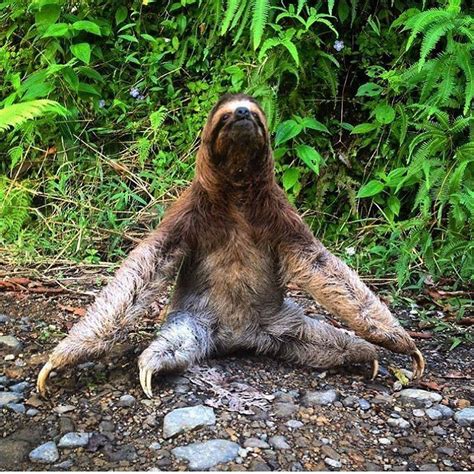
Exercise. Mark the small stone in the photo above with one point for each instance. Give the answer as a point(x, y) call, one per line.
point(17, 407)
point(465, 417)
point(255, 443)
point(364, 404)
point(155, 446)
point(61, 409)
point(419, 398)
point(45, 454)
point(127, 401)
point(333, 463)
point(3, 380)
point(203, 456)
point(429, 467)
point(65, 464)
point(66, 425)
point(19, 387)
point(259, 466)
point(384, 441)
point(331, 453)
point(125, 453)
point(10, 343)
point(418, 412)
point(398, 423)
point(447, 462)
point(279, 442)
point(283, 410)
point(295, 424)
point(9, 397)
point(350, 401)
point(323, 397)
point(4, 319)
point(9, 357)
point(32, 412)
point(74, 440)
point(434, 414)
point(445, 410)
point(439, 431)
point(106, 426)
point(444, 450)
point(187, 419)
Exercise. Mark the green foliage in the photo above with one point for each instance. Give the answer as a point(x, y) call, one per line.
point(370, 111)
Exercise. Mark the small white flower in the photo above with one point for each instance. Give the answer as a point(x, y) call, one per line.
point(350, 251)
point(338, 45)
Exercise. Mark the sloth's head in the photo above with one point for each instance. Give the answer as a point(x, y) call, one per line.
point(235, 139)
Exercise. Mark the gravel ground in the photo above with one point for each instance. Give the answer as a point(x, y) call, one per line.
point(237, 413)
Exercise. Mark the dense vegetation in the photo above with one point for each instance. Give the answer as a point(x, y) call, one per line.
point(370, 104)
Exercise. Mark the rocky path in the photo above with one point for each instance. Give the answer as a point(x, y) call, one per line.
point(239, 413)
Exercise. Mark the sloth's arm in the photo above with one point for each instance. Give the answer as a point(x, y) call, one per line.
point(340, 290)
point(127, 297)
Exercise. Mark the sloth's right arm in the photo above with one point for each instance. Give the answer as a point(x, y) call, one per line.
point(128, 296)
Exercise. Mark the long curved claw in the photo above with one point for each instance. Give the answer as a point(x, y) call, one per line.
point(375, 368)
point(145, 381)
point(43, 378)
point(418, 364)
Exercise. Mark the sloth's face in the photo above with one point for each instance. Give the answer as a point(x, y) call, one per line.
point(238, 137)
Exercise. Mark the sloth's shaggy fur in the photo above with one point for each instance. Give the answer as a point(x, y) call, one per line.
point(233, 242)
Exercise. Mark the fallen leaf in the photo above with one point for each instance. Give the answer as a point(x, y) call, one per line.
point(432, 385)
point(420, 335)
point(73, 309)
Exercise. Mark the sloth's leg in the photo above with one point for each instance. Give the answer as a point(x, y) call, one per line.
point(340, 290)
point(297, 338)
point(127, 297)
point(184, 339)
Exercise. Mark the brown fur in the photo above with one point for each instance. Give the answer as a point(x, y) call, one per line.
point(234, 242)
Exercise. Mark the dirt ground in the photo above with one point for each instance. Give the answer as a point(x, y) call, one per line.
point(268, 408)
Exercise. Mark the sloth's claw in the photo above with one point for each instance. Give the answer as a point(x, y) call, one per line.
point(375, 368)
point(43, 378)
point(145, 381)
point(418, 364)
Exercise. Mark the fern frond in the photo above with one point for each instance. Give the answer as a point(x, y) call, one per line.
point(230, 13)
point(259, 21)
point(464, 59)
point(422, 20)
point(431, 38)
point(17, 114)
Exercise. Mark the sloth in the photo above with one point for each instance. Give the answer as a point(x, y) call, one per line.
point(231, 244)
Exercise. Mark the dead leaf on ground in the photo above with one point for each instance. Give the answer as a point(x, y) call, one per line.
point(420, 335)
point(78, 311)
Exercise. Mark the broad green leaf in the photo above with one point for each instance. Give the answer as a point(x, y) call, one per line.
point(89, 26)
point(290, 177)
point(120, 15)
point(395, 177)
point(343, 11)
point(48, 15)
point(310, 157)
point(364, 128)
point(290, 46)
point(313, 124)
point(88, 89)
point(56, 30)
point(129, 38)
point(370, 189)
point(82, 51)
point(286, 131)
point(394, 204)
point(370, 89)
point(384, 113)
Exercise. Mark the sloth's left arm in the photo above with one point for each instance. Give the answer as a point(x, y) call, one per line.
point(340, 290)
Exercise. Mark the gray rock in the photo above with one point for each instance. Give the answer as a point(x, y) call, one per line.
point(434, 414)
point(9, 397)
point(331, 453)
point(437, 430)
point(127, 401)
point(429, 467)
point(285, 409)
point(323, 397)
point(205, 455)
point(16, 407)
point(364, 404)
point(10, 343)
point(465, 417)
point(68, 463)
point(4, 319)
point(445, 411)
point(333, 463)
point(255, 443)
point(125, 453)
point(398, 423)
point(187, 419)
point(3, 380)
point(295, 424)
point(418, 412)
point(350, 401)
point(19, 387)
point(444, 450)
point(45, 454)
point(66, 425)
point(74, 440)
point(13, 452)
point(279, 442)
point(419, 398)
point(32, 412)
point(106, 426)
point(155, 446)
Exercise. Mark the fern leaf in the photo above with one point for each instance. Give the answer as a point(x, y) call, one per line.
point(243, 23)
point(17, 114)
point(232, 7)
point(259, 21)
point(465, 63)
point(431, 39)
point(422, 20)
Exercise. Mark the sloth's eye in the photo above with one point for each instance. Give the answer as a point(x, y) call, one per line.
point(255, 114)
point(225, 117)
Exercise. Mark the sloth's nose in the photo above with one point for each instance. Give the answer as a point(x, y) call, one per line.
point(242, 113)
